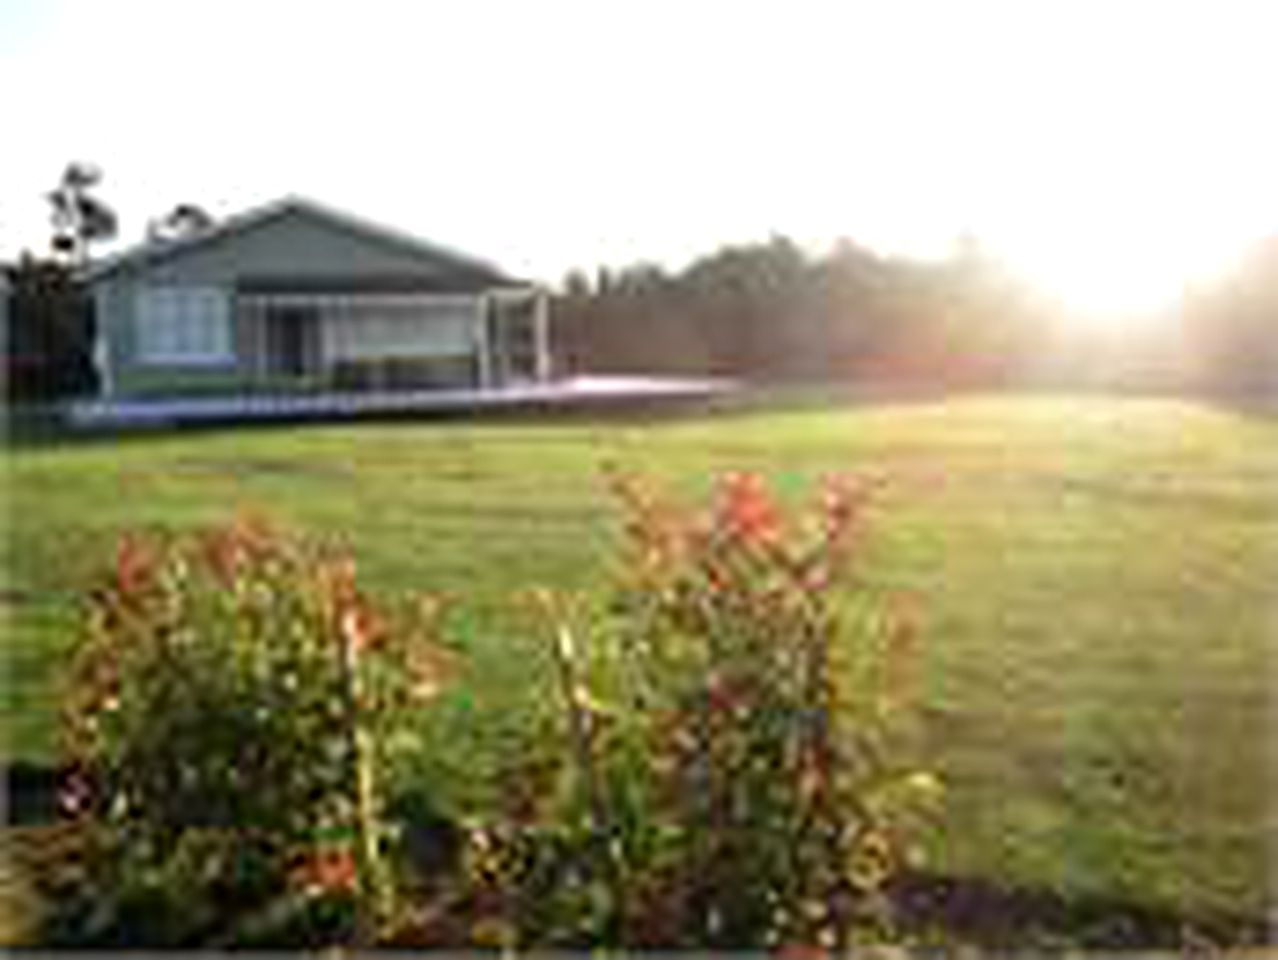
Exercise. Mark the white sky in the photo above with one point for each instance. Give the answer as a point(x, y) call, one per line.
point(1108, 150)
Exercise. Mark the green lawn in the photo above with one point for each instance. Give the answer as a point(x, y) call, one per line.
point(1099, 581)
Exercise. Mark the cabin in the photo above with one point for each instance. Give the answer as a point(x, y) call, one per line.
point(297, 298)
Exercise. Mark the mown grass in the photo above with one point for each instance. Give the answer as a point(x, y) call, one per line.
point(1098, 579)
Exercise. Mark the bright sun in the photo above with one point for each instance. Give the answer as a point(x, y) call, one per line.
point(1120, 279)
point(1097, 290)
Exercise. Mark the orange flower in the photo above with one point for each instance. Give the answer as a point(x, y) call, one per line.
point(717, 578)
point(745, 508)
point(222, 553)
point(801, 951)
point(361, 626)
point(330, 870)
point(135, 562)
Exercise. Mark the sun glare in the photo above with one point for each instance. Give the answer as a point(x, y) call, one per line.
point(1124, 279)
point(1098, 291)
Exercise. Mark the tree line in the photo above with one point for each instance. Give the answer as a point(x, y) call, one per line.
point(770, 312)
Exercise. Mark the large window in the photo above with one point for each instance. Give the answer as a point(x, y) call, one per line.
point(381, 328)
point(183, 325)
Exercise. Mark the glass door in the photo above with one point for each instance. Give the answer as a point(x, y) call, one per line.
point(292, 342)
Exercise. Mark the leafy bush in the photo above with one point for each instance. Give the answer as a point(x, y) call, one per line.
point(723, 761)
point(727, 766)
point(228, 709)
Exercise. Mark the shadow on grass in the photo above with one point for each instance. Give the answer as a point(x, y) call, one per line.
point(41, 426)
point(984, 913)
point(31, 793)
point(46, 428)
point(937, 909)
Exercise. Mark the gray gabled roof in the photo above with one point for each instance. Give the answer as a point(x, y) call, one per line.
point(153, 251)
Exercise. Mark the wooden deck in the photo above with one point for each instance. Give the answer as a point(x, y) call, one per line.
point(573, 393)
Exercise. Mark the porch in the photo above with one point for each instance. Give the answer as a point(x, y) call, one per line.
point(298, 341)
point(577, 393)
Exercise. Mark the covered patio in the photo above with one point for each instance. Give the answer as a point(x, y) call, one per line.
point(294, 338)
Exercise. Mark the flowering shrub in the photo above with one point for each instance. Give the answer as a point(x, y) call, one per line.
point(731, 769)
point(723, 761)
point(227, 713)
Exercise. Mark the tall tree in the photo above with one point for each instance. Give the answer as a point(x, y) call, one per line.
point(79, 217)
point(184, 220)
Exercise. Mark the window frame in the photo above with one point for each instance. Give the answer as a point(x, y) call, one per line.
point(188, 335)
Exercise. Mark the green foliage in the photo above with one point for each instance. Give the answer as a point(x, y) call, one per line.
point(228, 708)
point(49, 336)
point(728, 768)
point(79, 217)
point(768, 311)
